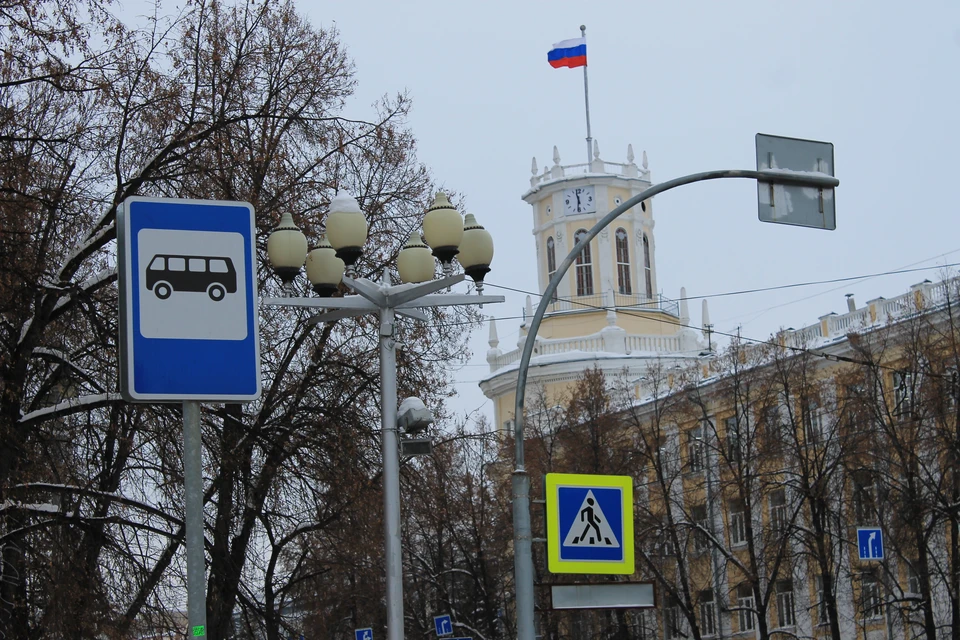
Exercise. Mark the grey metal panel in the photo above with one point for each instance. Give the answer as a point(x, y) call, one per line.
point(614, 595)
point(804, 206)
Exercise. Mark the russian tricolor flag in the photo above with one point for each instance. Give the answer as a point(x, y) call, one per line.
point(568, 53)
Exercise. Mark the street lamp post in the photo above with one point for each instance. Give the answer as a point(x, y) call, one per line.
point(338, 251)
point(522, 535)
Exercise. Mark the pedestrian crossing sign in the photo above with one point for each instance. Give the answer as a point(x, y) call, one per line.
point(589, 524)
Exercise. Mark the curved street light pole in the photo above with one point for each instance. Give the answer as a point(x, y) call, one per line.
point(523, 558)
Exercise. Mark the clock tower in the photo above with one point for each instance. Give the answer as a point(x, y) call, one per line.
point(607, 311)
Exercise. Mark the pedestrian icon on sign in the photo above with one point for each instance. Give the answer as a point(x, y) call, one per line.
point(592, 521)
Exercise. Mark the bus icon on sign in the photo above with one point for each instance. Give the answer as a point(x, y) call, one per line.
point(214, 275)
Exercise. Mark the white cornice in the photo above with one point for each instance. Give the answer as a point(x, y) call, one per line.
point(606, 179)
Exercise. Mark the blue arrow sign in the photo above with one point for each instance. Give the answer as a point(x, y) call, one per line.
point(870, 543)
point(189, 328)
point(363, 634)
point(443, 624)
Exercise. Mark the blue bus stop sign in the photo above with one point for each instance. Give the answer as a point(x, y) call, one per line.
point(188, 323)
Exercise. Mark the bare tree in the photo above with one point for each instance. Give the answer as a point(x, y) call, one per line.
point(234, 102)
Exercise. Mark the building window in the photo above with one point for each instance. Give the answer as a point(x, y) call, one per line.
point(903, 394)
point(745, 607)
point(700, 538)
point(663, 545)
point(551, 262)
point(864, 497)
point(672, 627)
point(647, 269)
point(812, 422)
point(871, 606)
point(776, 431)
point(785, 612)
point(913, 579)
point(738, 523)
point(821, 603)
point(853, 406)
point(708, 613)
point(952, 376)
point(584, 266)
point(778, 511)
point(732, 428)
point(695, 450)
point(623, 262)
point(644, 627)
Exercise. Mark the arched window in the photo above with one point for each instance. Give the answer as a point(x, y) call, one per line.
point(647, 271)
point(623, 262)
point(584, 267)
point(551, 262)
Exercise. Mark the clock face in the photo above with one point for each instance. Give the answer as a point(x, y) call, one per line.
point(579, 200)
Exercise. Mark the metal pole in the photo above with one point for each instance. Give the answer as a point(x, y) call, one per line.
point(193, 490)
point(523, 553)
point(391, 475)
point(586, 99)
point(523, 561)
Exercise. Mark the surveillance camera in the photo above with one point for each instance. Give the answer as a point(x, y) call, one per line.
point(413, 416)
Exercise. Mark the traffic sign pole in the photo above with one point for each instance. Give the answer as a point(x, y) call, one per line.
point(193, 490)
point(188, 331)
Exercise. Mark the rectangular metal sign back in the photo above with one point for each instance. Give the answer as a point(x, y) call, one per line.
point(795, 205)
point(188, 301)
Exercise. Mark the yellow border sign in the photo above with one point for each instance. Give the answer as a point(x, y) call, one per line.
point(589, 524)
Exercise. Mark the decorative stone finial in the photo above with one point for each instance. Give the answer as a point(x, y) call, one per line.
point(533, 166)
point(494, 351)
point(556, 155)
point(528, 310)
point(630, 156)
point(494, 340)
point(684, 307)
point(596, 150)
point(643, 162)
point(610, 302)
point(705, 312)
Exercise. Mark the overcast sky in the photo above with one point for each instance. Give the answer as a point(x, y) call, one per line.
point(691, 83)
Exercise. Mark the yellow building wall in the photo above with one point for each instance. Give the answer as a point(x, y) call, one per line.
point(504, 406)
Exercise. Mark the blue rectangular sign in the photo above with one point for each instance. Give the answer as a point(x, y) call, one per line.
point(363, 634)
point(188, 296)
point(591, 523)
point(870, 543)
point(443, 625)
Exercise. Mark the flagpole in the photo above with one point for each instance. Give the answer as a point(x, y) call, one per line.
point(586, 99)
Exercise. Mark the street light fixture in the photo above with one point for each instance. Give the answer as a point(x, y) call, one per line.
point(324, 269)
point(287, 250)
point(476, 251)
point(326, 265)
point(346, 230)
point(443, 230)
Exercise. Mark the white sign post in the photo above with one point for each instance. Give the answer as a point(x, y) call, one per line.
point(188, 330)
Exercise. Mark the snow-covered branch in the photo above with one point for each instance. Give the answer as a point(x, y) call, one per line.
point(71, 406)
